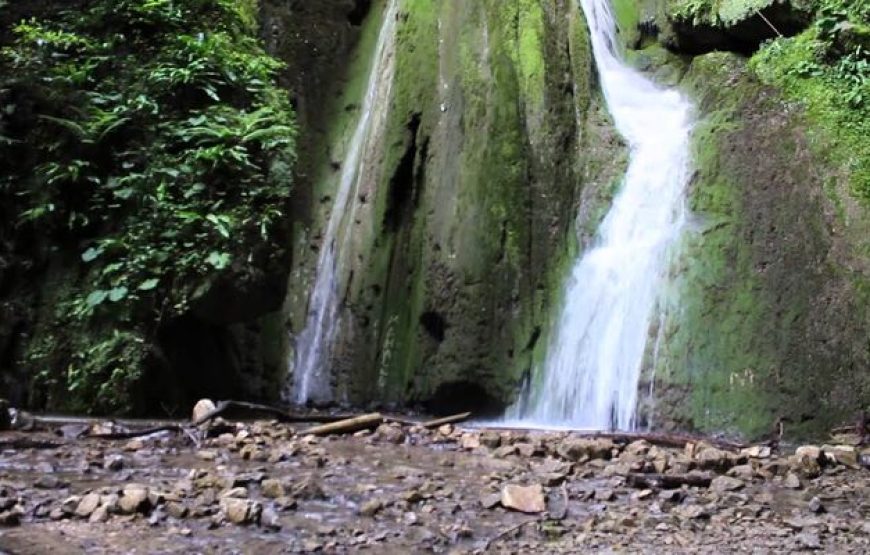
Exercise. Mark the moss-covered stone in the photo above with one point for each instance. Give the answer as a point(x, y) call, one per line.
point(764, 321)
point(496, 137)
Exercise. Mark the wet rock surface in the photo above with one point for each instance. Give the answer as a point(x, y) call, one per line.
point(265, 489)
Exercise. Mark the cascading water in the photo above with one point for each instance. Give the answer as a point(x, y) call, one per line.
point(310, 377)
point(593, 365)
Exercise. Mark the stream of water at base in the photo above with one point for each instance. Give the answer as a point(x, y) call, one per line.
point(592, 369)
point(311, 380)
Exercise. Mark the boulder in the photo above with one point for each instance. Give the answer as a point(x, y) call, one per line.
point(241, 511)
point(578, 449)
point(371, 507)
point(88, 505)
point(134, 499)
point(273, 489)
point(202, 408)
point(721, 484)
point(526, 499)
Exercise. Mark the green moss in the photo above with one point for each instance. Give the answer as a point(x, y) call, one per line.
point(836, 98)
point(530, 23)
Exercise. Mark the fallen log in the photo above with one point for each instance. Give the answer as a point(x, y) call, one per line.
point(347, 426)
point(453, 419)
point(668, 481)
point(224, 407)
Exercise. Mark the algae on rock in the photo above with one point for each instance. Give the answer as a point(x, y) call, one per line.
point(496, 135)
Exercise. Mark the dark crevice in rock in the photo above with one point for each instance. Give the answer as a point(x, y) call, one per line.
point(402, 183)
point(359, 12)
point(533, 340)
point(434, 324)
point(742, 37)
point(462, 396)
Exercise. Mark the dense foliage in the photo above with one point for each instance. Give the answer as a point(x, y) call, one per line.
point(148, 139)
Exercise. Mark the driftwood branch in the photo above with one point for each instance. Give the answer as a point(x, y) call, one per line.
point(347, 426)
point(453, 419)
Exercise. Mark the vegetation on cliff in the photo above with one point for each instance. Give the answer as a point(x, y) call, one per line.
point(144, 151)
point(827, 69)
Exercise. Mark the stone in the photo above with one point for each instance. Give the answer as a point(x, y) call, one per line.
point(133, 499)
point(113, 463)
point(69, 505)
point(792, 481)
point(469, 441)
point(604, 495)
point(815, 505)
point(49, 482)
point(371, 507)
point(241, 511)
point(390, 433)
point(711, 458)
point(273, 489)
point(176, 509)
point(88, 505)
point(742, 471)
point(202, 408)
point(237, 492)
point(578, 449)
point(100, 514)
point(526, 499)
point(805, 465)
point(722, 484)
point(269, 519)
point(12, 517)
point(811, 451)
point(692, 512)
point(757, 452)
point(490, 439)
point(845, 455)
point(809, 540)
point(133, 445)
point(490, 500)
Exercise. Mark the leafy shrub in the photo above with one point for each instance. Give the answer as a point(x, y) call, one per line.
point(150, 135)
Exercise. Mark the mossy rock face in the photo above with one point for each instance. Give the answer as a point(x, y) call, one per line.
point(766, 319)
point(495, 137)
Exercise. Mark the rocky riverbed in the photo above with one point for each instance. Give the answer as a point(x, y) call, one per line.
point(261, 487)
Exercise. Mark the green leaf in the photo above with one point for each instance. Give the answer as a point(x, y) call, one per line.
point(219, 260)
point(149, 284)
point(117, 294)
point(91, 254)
point(96, 298)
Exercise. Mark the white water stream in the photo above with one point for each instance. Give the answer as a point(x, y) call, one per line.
point(310, 374)
point(593, 365)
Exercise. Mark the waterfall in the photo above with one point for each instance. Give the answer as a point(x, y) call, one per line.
point(593, 364)
point(310, 374)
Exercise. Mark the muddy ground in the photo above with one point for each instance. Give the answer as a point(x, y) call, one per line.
point(262, 488)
